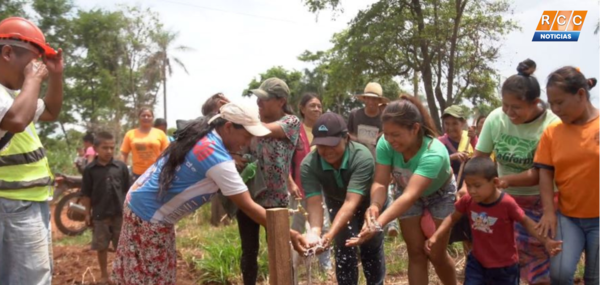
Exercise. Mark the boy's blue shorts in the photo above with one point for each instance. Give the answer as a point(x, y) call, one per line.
point(476, 274)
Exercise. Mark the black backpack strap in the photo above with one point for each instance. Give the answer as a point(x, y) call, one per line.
point(5, 139)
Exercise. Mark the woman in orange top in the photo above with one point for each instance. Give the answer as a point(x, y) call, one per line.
point(145, 143)
point(568, 155)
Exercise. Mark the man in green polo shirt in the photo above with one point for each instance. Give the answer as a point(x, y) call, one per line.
point(342, 171)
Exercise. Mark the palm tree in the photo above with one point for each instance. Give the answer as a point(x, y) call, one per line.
point(162, 60)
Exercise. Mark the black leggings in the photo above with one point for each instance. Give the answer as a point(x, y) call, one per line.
point(249, 234)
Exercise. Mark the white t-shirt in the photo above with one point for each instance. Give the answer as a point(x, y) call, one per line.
point(6, 100)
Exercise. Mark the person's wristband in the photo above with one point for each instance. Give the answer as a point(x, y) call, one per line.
point(376, 204)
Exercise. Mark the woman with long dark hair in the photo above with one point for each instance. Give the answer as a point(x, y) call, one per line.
point(512, 132)
point(184, 178)
point(420, 165)
point(145, 143)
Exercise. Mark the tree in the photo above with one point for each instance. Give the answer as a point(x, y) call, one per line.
point(142, 82)
point(9, 8)
point(450, 43)
point(99, 65)
point(55, 20)
point(341, 82)
point(111, 74)
point(161, 59)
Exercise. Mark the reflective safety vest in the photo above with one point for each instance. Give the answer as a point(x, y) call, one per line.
point(24, 170)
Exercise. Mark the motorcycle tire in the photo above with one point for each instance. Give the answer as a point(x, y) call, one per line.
point(63, 205)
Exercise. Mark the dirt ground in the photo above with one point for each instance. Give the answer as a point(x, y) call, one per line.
point(78, 264)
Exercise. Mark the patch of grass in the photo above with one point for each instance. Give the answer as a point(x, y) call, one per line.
point(580, 267)
point(200, 217)
point(396, 257)
point(83, 239)
point(215, 253)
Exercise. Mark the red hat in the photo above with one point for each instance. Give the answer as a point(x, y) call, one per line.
point(16, 29)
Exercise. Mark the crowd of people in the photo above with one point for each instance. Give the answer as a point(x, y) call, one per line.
point(520, 187)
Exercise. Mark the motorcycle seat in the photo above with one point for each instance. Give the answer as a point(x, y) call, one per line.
point(73, 179)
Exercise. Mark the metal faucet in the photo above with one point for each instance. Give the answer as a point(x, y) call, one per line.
point(299, 209)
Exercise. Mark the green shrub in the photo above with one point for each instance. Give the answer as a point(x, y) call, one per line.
point(61, 160)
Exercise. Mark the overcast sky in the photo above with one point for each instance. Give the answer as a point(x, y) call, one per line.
point(235, 40)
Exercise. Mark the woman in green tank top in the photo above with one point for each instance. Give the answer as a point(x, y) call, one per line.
point(420, 166)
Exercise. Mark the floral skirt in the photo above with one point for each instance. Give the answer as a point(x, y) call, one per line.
point(534, 260)
point(146, 252)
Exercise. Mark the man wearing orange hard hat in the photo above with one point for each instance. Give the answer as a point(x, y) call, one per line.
point(26, 60)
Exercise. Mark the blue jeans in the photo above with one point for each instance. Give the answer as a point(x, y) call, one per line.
point(25, 242)
point(476, 274)
point(578, 235)
point(346, 260)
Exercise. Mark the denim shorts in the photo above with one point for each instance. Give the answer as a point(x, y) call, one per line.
point(440, 203)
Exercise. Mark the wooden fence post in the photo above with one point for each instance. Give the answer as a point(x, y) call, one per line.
point(280, 254)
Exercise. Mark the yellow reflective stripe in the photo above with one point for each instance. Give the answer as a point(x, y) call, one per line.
point(24, 170)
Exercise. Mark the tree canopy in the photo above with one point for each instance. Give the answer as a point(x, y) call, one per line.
point(116, 61)
point(445, 46)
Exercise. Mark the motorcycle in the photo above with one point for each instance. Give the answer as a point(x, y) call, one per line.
point(68, 215)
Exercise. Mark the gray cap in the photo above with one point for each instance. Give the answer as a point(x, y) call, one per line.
point(272, 88)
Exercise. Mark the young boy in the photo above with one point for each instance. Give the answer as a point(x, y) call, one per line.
point(492, 215)
point(105, 184)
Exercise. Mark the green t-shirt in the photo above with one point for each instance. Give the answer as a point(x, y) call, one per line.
point(431, 161)
point(514, 145)
point(355, 174)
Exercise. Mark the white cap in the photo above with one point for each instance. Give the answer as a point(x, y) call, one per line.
point(243, 115)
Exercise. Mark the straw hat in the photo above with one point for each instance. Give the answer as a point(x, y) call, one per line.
point(373, 90)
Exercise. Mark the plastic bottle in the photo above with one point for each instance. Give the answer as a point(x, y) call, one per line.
point(249, 172)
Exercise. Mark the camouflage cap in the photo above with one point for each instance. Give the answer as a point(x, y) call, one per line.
point(454, 111)
point(272, 88)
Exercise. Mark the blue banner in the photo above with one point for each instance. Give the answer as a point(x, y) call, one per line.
point(555, 37)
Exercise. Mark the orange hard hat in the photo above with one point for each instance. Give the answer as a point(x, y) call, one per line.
point(22, 30)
